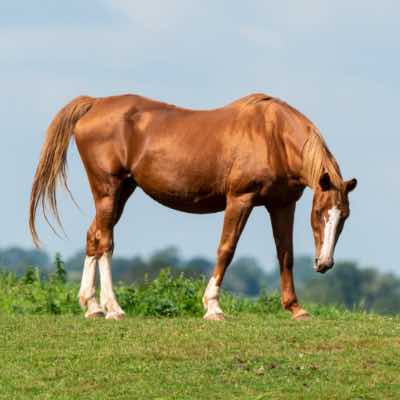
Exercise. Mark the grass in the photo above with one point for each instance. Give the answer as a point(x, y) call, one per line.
point(164, 350)
point(248, 356)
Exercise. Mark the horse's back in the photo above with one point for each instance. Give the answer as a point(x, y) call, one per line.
point(185, 159)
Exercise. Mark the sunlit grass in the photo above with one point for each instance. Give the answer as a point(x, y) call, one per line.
point(245, 357)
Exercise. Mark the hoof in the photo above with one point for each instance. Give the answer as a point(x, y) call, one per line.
point(115, 315)
point(214, 317)
point(94, 314)
point(301, 315)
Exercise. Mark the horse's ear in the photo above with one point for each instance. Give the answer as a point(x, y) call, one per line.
point(351, 185)
point(325, 182)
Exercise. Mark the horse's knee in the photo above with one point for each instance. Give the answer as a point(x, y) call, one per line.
point(105, 221)
point(105, 243)
point(99, 242)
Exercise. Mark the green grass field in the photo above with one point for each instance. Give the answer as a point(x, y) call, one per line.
point(248, 356)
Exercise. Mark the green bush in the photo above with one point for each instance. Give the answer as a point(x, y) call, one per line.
point(168, 295)
point(165, 296)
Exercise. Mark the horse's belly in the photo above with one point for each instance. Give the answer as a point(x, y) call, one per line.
point(200, 204)
point(182, 188)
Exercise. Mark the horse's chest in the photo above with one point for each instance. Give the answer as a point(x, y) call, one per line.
point(280, 194)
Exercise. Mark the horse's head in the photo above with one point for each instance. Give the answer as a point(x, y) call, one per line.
point(329, 213)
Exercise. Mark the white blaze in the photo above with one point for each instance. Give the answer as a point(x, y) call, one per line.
point(330, 234)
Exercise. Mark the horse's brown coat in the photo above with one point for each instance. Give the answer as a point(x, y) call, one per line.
point(257, 151)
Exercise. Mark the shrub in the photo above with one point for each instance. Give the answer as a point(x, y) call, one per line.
point(165, 296)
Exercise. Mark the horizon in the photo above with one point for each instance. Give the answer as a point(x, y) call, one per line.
point(174, 251)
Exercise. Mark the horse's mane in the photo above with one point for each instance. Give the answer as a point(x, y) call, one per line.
point(317, 160)
point(250, 99)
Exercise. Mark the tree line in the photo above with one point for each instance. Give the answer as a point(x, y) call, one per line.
point(347, 284)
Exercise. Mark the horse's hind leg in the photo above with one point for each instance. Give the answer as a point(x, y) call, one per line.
point(110, 200)
point(236, 213)
point(87, 292)
point(107, 220)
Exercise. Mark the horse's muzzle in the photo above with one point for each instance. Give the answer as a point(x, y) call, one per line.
point(323, 265)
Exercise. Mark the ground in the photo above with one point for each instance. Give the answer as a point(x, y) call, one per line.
point(244, 357)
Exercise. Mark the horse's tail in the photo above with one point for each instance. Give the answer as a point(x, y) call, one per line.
point(52, 166)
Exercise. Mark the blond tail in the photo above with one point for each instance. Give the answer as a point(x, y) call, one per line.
point(52, 165)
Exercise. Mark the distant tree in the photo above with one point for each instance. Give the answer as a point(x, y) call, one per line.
point(129, 269)
point(133, 269)
point(74, 265)
point(351, 286)
point(168, 256)
point(75, 262)
point(198, 266)
point(17, 259)
point(245, 276)
point(303, 272)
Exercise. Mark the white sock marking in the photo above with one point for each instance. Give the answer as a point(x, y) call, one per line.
point(87, 290)
point(107, 296)
point(210, 298)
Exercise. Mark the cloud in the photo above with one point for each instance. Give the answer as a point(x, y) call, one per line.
point(306, 15)
point(262, 37)
point(24, 13)
point(155, 15)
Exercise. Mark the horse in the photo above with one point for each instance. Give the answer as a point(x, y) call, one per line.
point(255, 151)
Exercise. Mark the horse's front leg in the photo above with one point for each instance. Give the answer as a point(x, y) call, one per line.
point(236, 213)
point(282, 226)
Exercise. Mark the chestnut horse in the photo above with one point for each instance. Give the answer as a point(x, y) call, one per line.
point(256, 151)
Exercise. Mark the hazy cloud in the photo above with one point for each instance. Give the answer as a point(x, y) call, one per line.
point(262, 37)
point(156, 15)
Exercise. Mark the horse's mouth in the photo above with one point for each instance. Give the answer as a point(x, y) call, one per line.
point(322, 267)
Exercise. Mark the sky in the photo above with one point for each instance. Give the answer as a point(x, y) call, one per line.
point(337, 62)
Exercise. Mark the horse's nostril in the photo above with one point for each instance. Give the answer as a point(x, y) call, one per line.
point(329, 264)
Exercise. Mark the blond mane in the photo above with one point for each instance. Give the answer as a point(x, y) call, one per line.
point(317, 159)
point(250, 99)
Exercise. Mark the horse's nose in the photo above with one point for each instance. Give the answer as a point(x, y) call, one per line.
point(323, 265)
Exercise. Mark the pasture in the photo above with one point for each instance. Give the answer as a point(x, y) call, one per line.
point(246, 357)
point(164, 350)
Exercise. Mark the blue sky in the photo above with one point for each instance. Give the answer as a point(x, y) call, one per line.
point(337, 62)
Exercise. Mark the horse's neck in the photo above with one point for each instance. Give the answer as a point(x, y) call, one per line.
point(294, 144)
